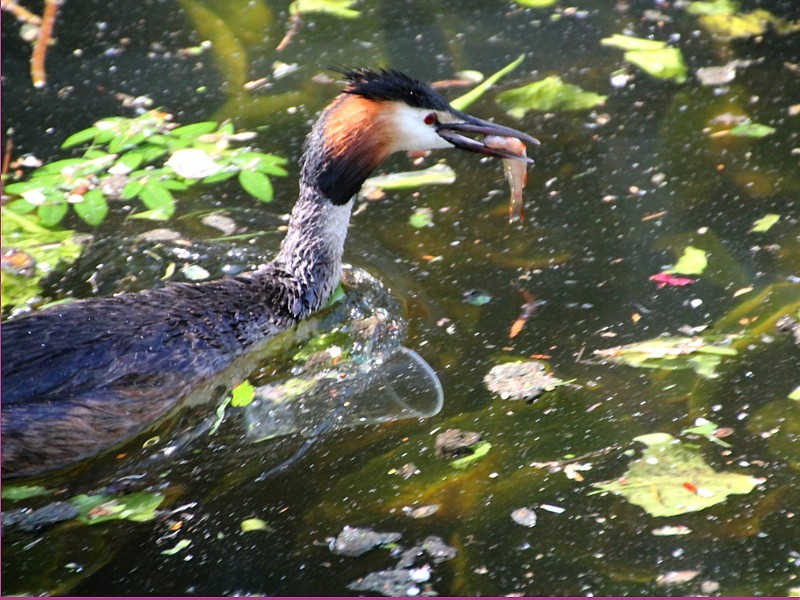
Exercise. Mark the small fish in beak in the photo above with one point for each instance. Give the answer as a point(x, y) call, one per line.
point(453, 133)
point(498, 141)
point(515, 169)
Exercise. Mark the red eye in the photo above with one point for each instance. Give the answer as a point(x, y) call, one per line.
point(430, 119)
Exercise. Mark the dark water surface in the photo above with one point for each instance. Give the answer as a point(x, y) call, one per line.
point(585, 252)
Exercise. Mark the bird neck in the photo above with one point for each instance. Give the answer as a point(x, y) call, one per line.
point(339, 154)
point(311, 252)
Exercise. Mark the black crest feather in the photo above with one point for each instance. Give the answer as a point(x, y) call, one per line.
point(392, 85)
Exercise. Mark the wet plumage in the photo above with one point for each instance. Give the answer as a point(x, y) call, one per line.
point(83, 376)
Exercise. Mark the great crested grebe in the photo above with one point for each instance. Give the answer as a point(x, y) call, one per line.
point(81, 377)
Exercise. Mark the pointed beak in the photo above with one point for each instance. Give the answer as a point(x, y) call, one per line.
point(453, 133)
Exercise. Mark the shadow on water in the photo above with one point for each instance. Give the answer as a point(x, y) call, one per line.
point(617, 193)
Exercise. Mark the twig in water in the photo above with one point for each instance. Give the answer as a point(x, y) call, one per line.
point(38, 74)
point(294, 28)
point(20, 12)
point(7, 154)
point(526, 312)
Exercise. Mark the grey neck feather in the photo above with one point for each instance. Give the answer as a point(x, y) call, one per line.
point(311, 252)
point(310, 257)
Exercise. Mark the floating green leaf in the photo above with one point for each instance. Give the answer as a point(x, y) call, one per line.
point(795, 394)
point(80, 137)
point(242, 394)
point(671, 353)
point(765, 223)
point(138, 506)
point(673, 479)
point(707, 429)
point(156, 197)
point(629, 42)
point(94, 207)
point(667, 63)
point(254, 524)
point(724, 21)
point(462, 102)
point(153, 215)
point(22, 187)
point(132, 160)
point(220, 415)
point(52, 210)
point(195, 129)
point(221, 176)
point(713, 7)
point(422, 217)
point(256, 184)
point(177, 547)
point(652, 56)
point(693, 261)
point(338, 8)
point(549, 94)
point(436, 175)
point(750, 129)
point(23, 492)
point(478, 452)
point(338, 294)
point(536, 3)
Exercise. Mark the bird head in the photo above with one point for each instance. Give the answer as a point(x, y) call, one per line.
point(382, 112)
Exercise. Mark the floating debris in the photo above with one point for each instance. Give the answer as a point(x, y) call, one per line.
point(34, 520)
point(355, 541)
point(454, 442)
point(523, 380)
point(437, 550)
point(524, 516)
point(664, 279)
point(672, 530)
point(392, 582)
point(676, 577)
point(192, 163)
point(160, 234)
point(423, 511)
point(220, 222)
point(476, 297)
point(714, 76)
point(406, 471)
point(195, 273)
point(403, 579)
point(789, 323)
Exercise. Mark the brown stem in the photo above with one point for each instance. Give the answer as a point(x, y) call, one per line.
point(7, 154)
point(38, 74)
point(294, 28)
point(20, 12)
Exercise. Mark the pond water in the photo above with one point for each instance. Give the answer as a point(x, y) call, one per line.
point(617, 194)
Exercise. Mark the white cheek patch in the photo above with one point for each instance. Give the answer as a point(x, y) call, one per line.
point(410, 133)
